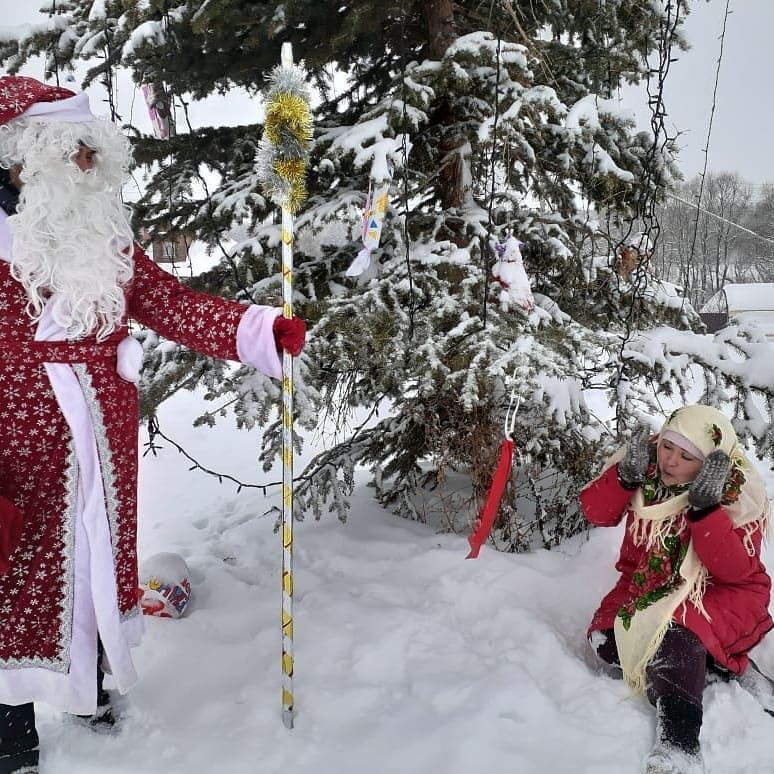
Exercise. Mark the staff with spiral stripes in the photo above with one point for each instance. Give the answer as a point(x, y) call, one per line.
point(282, 160)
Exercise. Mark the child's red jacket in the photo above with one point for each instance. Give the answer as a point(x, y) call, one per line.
point(738, 588)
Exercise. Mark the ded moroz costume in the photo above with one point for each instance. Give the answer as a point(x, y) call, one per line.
point(70, 277)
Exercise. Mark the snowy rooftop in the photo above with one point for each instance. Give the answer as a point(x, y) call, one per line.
point(734, 298)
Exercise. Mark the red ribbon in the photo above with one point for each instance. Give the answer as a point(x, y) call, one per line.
point(491, 505)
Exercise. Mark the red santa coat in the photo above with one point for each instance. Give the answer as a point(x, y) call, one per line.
point(738, 589)
point(68, 461)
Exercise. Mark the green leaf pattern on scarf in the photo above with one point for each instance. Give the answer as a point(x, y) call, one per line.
point(658, 574)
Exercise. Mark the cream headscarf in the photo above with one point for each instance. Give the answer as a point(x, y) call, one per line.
point(744, 500)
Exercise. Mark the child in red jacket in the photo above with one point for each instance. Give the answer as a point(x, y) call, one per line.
point(692, 589)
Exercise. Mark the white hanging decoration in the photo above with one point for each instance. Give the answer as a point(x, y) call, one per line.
point(509, 272)
point(373, 219)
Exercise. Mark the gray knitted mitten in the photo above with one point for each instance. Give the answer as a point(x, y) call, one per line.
point(707, 488)
point(631, 469)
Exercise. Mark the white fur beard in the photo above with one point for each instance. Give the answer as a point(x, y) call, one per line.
point(72, 245)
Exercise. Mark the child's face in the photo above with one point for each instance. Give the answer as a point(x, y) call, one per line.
point(676, 465)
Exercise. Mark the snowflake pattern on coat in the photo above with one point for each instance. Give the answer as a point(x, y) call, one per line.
point(38, 471)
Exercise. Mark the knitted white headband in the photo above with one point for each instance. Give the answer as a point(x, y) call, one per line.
point(684, 443)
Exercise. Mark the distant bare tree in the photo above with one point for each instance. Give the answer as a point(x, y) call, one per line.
point(699, 249)
point(755, 262)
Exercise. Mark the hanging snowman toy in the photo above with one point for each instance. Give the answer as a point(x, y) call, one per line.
point(508, 271)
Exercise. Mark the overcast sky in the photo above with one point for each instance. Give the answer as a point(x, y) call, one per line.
point(741, 139)
point(741, 135)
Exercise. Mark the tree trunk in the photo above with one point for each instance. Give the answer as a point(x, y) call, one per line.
point(451, 177)
point(439, 17)
point(439, 21)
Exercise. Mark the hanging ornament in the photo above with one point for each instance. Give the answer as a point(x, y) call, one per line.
point(488, 513)
point(509, 272)
point(634, 252)
point(282, 155)
point(373, 219)
point(486, 517)
point(159, 111)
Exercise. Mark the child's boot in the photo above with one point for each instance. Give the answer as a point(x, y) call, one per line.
point(676, 750)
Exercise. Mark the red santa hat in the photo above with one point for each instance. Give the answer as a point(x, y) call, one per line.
point(25, 97)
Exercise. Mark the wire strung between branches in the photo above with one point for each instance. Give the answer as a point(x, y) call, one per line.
point(404, 150)
point(313, 469)
point(647, 209)
point(108, 80)
point(719, 217)
point(52, 51)
point(706, 152)
point(487, 251)
point(152, 447)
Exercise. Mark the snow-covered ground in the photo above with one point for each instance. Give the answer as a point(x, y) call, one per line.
point(409, 659)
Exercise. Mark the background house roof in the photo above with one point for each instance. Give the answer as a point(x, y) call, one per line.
point(749, 297)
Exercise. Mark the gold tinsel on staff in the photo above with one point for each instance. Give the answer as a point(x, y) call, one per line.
point(282, 153)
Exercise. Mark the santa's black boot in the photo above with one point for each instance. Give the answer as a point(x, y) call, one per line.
point(20, 763)
point(18, 740)
point(104, 720)
point(676, 750)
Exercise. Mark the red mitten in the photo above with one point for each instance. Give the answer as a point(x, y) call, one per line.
point(290, 334)
point(11, 523)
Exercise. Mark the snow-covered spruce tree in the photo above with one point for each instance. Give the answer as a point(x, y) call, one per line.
point(494, 121)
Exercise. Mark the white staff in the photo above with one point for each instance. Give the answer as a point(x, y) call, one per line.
point(282, 160)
